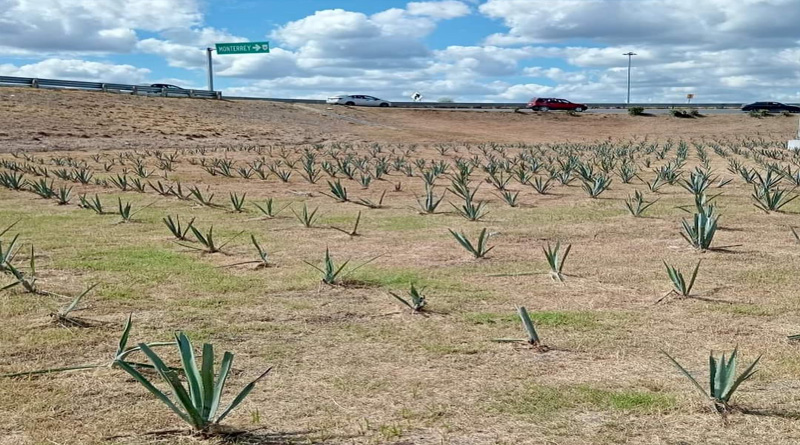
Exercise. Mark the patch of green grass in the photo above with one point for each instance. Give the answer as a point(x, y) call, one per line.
point(407, 222)
point(745, 309)
point(147, 265)
point(767, 275)
point(571, 319)
point(541, 400)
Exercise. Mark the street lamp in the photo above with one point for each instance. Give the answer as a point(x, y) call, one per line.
point(629, 54)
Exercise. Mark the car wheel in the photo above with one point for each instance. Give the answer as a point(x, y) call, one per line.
point(580, 109)
point(544, 108)
point(384, 105)
point(350, 103)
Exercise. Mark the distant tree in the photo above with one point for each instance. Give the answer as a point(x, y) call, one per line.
point(446, 100)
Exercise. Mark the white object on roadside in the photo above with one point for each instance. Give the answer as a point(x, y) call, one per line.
point(794, 144)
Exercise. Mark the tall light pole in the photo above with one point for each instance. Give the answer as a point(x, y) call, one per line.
point(210, 70)
point(630, 54)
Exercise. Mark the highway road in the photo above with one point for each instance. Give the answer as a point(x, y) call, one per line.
point(653, 111)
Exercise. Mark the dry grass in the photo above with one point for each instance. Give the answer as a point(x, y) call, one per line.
point(351, 366)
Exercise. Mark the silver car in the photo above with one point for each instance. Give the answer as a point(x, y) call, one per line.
point(358, 100)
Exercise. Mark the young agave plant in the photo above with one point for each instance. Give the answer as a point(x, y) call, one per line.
point(637, 205)
point(771, 200)
point(353, 232)
point(305, 217)
point(597, 186)
point(700, 233)
point(26, 279)
point(263, 257)
point(722, 381)
point(63, 195)
point(416, 301)
point(175, 227)
point(371, 204)
point(205, 200)
point(479, 249)
point(680, 286)
point(92, 204)
point(237, 202)
point(533, 337)
point(269, 209)
point(510, 198)
point(556, 259)
point(63, 316)
point(470, 210)
point(541, 187)
point(207, 240)
point(122, 352)
point(198, 405)
point(331, 273)
point(126, 212)
point(338, 191)
point(429, 202)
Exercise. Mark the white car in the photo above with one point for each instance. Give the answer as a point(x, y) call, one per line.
point(359, 100)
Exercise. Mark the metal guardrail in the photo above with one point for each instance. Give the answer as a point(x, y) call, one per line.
point(502, 105)
point(106, 87)
point(148, 90)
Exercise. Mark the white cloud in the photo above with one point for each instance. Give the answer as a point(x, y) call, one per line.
point(448, 9)
point(71, 69)
point(82, 26)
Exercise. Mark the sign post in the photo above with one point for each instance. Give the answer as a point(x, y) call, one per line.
point(210, 70)
point(233, 48)
point(689, 98)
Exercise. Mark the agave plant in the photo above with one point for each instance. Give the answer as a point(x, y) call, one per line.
point(122, 353)
point(63, 317)
point(338, 191)
point(471, 210)
point(596, 186)
point(555, 259)
point(722, 381)
point(510, 198)
point(429, 202)
point(269, 209)
point(479, 249)
point(371, 204)
point(237, 202)
point(207, 240)
point(25, 279)
point(353, 232)
point(63, 195)
point(175, 227)
point(700, 233)
point(541, 187)
point(533, 337)
point(198, 405)
point(203, 199)
point(680, 286)
point(637, 205)
point(91, 204)
point(416, 301)
point(126, 211)
point(305, 217)
point(332, 274)
point(771, 200)
point(43, 189)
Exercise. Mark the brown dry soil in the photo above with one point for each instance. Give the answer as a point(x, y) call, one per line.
point(350, 364)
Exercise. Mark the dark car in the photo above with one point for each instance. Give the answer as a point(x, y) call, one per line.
point(773, 107)
point(167, 86)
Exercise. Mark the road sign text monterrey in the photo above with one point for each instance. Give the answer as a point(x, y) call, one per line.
point(242, 48)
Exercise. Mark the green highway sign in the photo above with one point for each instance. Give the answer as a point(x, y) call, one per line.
point(242, 48)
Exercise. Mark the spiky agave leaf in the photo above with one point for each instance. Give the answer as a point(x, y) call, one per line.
point(199, 404)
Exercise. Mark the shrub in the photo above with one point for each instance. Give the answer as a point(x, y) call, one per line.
point(636, 111)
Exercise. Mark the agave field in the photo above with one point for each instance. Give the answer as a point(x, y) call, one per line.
point(462, 293)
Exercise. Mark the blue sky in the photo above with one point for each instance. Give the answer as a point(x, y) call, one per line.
point(468, 50)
